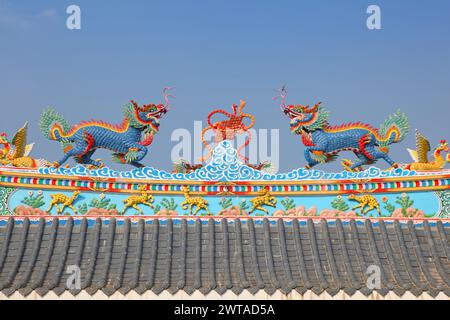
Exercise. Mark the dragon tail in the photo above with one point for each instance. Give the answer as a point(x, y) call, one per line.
point(394, 129)
point(53, 126)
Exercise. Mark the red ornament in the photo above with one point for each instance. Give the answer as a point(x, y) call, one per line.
point(228, 128)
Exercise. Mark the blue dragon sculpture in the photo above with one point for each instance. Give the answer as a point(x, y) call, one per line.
point(128, 140)
point(323, 142)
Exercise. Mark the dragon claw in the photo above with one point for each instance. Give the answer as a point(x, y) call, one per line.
point(98, 166)
point(101, 164)
point(347, 164)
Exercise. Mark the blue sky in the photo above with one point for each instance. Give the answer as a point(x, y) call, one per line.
point(217, 52)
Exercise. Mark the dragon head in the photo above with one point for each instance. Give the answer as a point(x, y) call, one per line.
point(3, 138)
point(303, 118)
point(443, 146)
point(146, 117)
point(4, 141)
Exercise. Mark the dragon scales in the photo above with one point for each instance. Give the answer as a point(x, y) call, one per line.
point(323, 142)
point(128, 141)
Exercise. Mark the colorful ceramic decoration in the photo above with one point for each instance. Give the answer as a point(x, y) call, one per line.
point(226, 185)
point(227, 129)
point(128, 141)
point(132, 201)
point(16, 152)
point(420, 155)
point(190, 202)
point(323, 142)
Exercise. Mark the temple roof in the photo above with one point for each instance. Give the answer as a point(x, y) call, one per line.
point(119, 255)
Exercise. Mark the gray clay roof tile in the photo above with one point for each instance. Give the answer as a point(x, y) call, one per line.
point(120, 255)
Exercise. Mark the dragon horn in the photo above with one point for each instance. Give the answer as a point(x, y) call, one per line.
point(314, 109)
point(137, 107)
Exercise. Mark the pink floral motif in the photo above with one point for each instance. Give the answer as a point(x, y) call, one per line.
point(312, 211)
point(29, 211)
point(233, 211)
point(410, 213)
point(167, 212)
point(301, 211)
point(333, 213)
point(279, 213)
point(101, 212)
